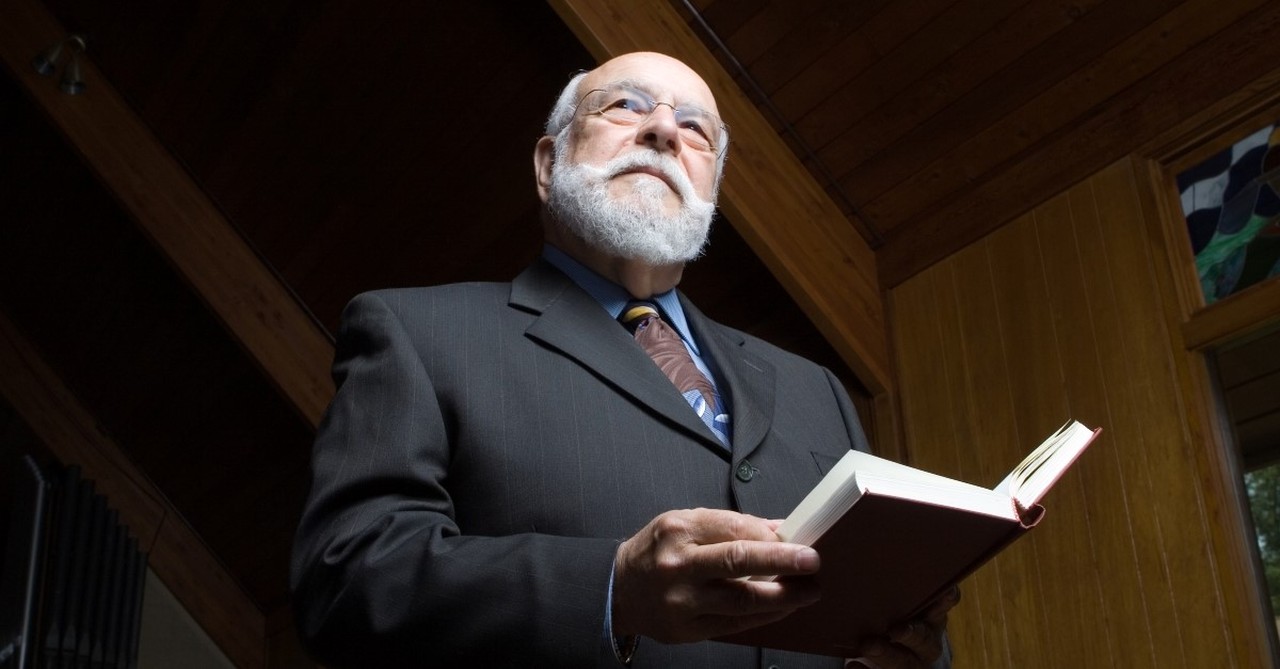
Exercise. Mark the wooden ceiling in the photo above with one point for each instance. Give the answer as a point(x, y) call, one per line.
point(356, 146)
point(932, 122)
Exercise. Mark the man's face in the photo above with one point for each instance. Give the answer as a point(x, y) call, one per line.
point(595, 140)
point(643, 188)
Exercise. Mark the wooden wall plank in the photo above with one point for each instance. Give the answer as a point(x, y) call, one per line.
point(175, 212)
point(786, 218)
point(1071, 575)
point(943, 408)
point(996, 443)
point(1060, 311)
point(1035, 379)
point(1094, 604)
point(991, 629)
point(1250, 622)
point(174, 550)
point(1087, 307)
point(1176, 504)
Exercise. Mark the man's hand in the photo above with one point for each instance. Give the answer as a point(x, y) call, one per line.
point(683, 577)
point(914, 645)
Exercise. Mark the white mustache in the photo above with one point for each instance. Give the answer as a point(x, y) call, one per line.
point(664, 164)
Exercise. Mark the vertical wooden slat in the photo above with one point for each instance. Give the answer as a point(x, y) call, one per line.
point(1068, 302)
point(1062, 312)
point(1225, 502)
point(1177, 504)
point(1116, 281)
point(941, 408)
point(1087, 308)
point(995, 438)
point(982, 590)
point(1027, 342)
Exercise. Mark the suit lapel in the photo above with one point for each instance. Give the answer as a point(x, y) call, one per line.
point(747, 378)
point(573, 323)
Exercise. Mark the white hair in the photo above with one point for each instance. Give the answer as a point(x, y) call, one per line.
point(566, 104)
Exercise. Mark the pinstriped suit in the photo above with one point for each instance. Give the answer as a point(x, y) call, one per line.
point(491, 444)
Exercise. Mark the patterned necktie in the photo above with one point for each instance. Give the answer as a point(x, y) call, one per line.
point(665, 346)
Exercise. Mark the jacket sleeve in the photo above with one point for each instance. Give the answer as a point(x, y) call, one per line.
point(381, 573)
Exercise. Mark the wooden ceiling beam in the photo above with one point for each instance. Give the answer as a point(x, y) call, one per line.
point(175, 213)
point(767, 194)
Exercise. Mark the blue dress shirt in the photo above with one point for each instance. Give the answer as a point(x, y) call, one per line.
point(614, 299)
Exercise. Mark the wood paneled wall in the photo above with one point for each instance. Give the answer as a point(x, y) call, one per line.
point(1064, 313)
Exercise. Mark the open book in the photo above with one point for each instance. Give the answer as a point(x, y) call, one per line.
point(893, 538)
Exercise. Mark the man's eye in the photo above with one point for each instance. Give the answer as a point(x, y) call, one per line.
point(695, 125)
point(627, 105)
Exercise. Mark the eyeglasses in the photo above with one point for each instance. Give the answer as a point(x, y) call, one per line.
point(698, 128)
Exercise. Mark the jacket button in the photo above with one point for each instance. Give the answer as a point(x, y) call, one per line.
point(745, 472)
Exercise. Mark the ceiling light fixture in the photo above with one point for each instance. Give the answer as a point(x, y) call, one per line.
point(46, 63)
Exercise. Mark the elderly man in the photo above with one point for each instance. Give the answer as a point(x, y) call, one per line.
point(505, 476)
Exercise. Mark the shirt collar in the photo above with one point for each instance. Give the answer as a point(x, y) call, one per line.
point(613, 297)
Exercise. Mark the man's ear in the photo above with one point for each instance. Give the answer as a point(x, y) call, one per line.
point(543, 157)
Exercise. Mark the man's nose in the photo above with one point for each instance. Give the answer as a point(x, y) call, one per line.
point(660, 130)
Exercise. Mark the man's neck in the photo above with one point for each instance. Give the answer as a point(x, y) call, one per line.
point(638, 278)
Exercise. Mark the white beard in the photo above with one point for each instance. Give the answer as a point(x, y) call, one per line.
point(635, 226)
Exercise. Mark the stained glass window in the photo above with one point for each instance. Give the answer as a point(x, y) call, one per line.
point(1232, 205)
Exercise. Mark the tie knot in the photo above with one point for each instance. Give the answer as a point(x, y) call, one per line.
point(637, 313)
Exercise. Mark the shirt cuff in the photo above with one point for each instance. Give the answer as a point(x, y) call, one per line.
point(623, 648)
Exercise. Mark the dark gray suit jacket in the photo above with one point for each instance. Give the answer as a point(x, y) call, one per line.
point(490, 445)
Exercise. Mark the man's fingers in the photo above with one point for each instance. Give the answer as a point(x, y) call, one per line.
point(711, 526)
point(736, 559)
point(937, 612)
point(723, 544)
point(922, 639)
point(686, 576)
point(747, 598)
point(883, 654)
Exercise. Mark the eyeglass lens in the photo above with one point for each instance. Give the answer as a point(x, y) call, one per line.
point(698, 128)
